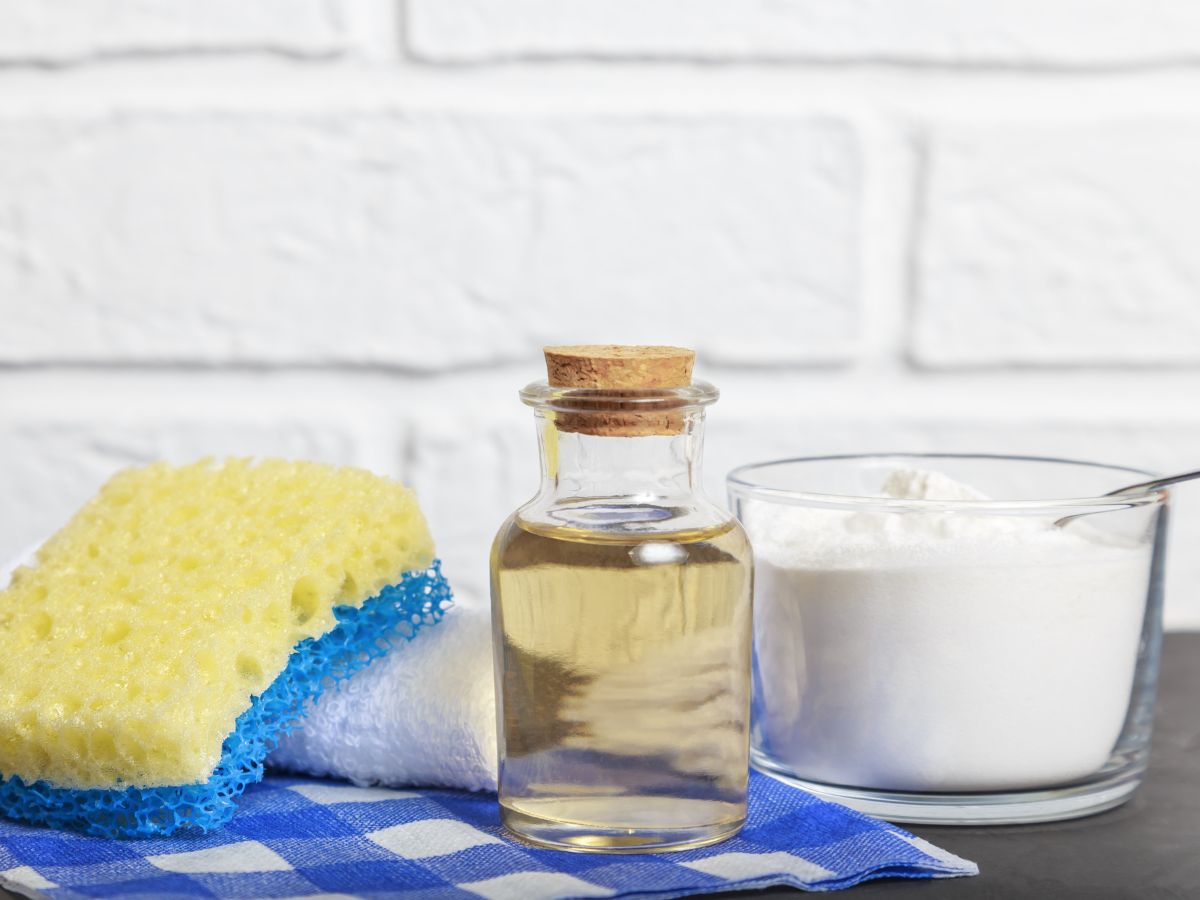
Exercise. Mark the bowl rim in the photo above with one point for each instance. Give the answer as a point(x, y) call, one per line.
point(739, 484)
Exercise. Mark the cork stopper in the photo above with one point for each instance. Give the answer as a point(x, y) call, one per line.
point(622, 370)
point(615, 366)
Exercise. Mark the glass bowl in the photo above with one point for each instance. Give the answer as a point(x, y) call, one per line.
point(961, 660)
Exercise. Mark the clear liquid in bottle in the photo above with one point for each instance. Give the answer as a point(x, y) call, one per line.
point(623, 663)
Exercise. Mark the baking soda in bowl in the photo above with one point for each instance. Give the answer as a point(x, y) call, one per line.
point(940, 651)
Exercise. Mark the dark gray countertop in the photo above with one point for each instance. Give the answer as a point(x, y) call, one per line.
point(1148, 848)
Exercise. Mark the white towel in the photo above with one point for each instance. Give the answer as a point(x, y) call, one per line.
point(425, 714)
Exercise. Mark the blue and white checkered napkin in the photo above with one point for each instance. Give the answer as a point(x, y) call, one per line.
point(296, 837)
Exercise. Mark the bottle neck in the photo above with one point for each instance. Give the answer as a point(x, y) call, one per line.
point(648, 468)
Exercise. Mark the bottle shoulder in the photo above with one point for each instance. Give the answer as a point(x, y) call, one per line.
point(623, 520)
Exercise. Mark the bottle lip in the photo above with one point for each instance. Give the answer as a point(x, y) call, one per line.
point(541, 395)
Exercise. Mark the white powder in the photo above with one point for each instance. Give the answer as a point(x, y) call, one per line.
point(922, 651)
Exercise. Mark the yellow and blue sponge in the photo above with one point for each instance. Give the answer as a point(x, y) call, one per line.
point(174, 629)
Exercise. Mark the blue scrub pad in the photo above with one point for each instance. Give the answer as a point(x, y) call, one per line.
point(362, 633)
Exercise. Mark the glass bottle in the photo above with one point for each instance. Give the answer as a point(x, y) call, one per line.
point(621, 600)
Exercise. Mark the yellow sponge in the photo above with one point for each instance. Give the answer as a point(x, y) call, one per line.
point(173, 597)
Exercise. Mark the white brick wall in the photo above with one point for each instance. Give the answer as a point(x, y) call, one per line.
point(467, 229)
point(1053, 246)
point(343, 229)
point(1017, 32)
point(68, 31)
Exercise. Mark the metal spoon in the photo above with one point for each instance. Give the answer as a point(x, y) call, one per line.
point(1141, 487)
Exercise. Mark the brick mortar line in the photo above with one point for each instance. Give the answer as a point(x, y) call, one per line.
point(349, 51)
point(287, 69)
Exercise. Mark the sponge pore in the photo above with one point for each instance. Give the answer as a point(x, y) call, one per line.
point(361, 634)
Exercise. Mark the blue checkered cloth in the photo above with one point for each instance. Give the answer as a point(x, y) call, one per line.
point(295, 837)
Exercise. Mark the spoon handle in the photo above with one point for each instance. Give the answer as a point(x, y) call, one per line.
point(1154, 483)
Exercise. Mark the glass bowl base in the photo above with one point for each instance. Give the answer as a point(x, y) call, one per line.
point(1106, 790)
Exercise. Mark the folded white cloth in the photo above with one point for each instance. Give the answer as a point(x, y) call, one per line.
point(425, 714)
